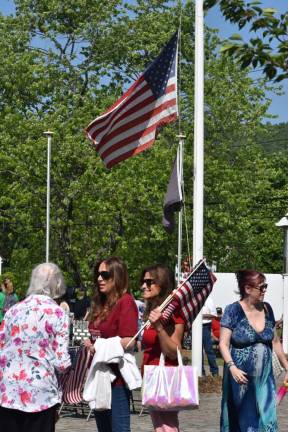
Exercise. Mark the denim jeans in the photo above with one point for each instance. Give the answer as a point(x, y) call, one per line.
point(208, 348)
point(118, 418)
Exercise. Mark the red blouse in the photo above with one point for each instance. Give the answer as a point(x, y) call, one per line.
point(151, 344)
point(121, 321)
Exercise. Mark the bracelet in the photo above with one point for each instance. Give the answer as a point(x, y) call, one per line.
point(230, 363)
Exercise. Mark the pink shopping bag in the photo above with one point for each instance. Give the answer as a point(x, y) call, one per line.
point(170, 388)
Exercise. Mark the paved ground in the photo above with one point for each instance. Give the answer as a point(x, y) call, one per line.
point(204, 419)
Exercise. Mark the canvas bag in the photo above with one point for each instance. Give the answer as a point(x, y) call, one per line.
point(170, 388)
point(276, 365)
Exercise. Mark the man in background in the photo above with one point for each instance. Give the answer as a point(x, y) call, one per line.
point(80, 304)
point(208, 313)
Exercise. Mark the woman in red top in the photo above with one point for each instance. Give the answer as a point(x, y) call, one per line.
point(113, 313)
point(157, 283)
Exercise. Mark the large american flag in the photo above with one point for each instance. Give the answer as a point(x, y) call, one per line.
point(191, 295)
point(130, 125)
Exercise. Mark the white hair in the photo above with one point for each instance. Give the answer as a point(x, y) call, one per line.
point(47, 279)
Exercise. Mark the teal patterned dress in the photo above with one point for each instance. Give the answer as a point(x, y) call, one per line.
point(249, 407)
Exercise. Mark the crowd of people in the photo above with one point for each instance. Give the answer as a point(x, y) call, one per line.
point(34, 348)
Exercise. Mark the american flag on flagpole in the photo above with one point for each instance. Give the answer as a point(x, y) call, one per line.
point(191, 295)
point(130, 125)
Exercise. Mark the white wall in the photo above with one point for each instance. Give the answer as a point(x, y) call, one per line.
point(225, 291)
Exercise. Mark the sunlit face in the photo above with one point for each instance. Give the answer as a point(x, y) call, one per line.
point(256, 291)
point(150, 289)
point(105, 283)
point(8, 286)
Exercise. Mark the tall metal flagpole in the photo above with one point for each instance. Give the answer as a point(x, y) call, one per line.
point(49, 139)
point(198, 170)
point(180, 217)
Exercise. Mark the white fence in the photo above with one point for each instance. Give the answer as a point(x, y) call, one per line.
point(225, 291)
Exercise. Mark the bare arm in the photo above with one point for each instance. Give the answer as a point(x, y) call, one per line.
point(224, 346)
point(125, 341)
point(168, 343)
point(277, 346)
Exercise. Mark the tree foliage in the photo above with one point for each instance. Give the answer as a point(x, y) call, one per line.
point(269, 47)
point(62, 64)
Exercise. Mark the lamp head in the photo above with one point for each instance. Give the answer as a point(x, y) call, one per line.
point(283, 223)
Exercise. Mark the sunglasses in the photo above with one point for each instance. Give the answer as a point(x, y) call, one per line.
point(148, 282)
point(262, 288)
point(105, 275)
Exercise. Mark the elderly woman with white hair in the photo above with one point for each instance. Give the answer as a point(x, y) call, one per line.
point(34, 338)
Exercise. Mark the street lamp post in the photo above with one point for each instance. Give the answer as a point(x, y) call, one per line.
point(49, 139)
point(283, 223)
point(1, 262)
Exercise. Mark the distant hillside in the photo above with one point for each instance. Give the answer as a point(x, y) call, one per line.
point(275, 138)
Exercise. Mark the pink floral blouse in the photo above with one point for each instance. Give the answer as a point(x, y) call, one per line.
point(34, 338)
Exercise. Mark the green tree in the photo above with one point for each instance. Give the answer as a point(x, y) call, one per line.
point(64, 64)
point(269, 47)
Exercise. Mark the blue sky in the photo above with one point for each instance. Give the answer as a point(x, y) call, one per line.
point(214, 19)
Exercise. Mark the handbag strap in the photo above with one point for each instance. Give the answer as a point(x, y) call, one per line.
point(179, 358)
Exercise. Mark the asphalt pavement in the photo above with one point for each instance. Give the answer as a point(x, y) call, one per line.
point(203, 419)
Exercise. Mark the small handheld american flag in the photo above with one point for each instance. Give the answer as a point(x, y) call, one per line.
point(191, 294)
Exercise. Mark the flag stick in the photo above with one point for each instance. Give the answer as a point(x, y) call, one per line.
point(165, 302)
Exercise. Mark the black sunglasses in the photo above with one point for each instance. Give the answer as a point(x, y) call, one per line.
point(148, 282)
point(263, 287)
point(105, 275)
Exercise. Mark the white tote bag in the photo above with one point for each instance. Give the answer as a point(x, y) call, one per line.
point(170, 388)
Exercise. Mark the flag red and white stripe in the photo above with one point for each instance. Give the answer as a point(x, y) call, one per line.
point(191, 295)
point(72, 382)
point(130, 125)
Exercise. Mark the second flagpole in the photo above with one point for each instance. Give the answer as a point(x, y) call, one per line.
point(180, 218)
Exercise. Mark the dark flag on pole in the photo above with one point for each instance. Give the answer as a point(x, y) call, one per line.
point(191, 294)
point(130, 125)
point(173, 199)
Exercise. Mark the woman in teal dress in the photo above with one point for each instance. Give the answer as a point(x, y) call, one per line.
point(246, 340)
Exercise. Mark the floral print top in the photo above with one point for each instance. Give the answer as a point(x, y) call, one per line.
point(34, 337)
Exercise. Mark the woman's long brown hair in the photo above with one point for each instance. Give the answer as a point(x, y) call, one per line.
point(164, 277)
point(101, 304)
